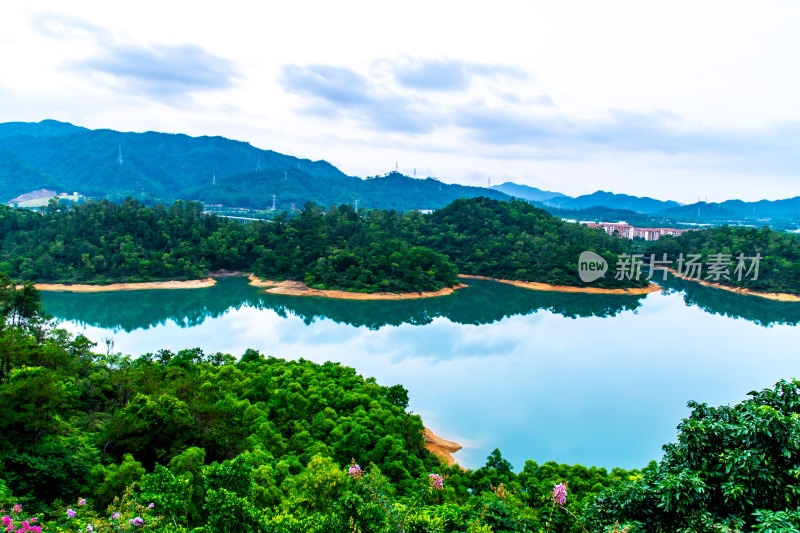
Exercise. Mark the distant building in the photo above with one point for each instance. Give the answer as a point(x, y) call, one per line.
point(631, 232)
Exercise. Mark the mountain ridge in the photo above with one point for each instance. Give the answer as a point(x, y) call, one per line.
point(154, 167)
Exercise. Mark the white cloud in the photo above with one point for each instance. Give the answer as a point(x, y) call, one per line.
point(555, 92)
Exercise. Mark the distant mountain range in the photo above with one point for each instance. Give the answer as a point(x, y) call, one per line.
point(596, 199)
point(154, 166)
point(605, 204)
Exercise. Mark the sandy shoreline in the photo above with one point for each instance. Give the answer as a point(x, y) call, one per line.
point(440, 447)
point(188, 284)
point(298, 288)
point(775, 296)
point(536, 286)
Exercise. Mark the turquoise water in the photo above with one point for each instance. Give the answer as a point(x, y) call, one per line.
point(596, 380)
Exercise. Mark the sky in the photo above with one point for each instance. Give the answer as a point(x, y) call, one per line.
point(679, 100)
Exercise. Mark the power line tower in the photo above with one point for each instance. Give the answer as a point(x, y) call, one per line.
point(119, 156)
point(356, 205)
point(258, 163)
point(214, 179)
point(273, 201)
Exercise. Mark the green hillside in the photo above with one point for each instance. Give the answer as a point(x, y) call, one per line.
point(16, 177)
point(162, 167)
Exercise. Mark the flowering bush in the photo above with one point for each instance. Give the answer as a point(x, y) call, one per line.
point(394, 512)
point(125, 515)
point(24, 525)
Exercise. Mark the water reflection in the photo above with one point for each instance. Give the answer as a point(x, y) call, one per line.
point(544, 376)
point(483, 302)
point(719, 302)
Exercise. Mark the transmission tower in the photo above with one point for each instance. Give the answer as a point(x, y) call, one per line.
point(258, 163)
point(214, 179)
point(273, 201)
point(119, 157)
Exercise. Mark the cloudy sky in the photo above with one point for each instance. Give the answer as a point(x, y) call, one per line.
point(676, 100)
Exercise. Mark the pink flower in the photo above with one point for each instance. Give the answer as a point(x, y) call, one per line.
point(560, 494)
point(81, 502)
point(70, 513)
point(151, 506)
point(7, 521)
point(17, 508)
point(355, 470)
point(436, 481)
point(115, 516)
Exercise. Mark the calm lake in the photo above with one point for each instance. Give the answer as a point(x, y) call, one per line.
point(596, 380)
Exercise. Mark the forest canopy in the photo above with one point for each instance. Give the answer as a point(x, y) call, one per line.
point(337, 248)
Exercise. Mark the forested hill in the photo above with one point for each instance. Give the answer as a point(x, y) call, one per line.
point(161, 167)
point(338, 248)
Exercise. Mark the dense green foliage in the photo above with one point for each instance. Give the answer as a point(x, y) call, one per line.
point(373, 250)
point(103, 242)
point(732, 465)
point(514, 240)
point(778, 268)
